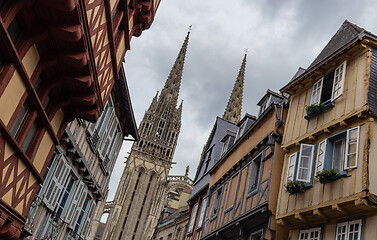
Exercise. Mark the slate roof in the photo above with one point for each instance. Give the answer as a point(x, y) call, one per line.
point(345, 35)
point(219, 130)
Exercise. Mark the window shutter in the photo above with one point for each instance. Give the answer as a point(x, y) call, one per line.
point(56, 184)
point(339, 75)
point(291, 167)
point(305, 163)
point(87, 218)
point(352, 148)
point(76, 204)
point(321, 156)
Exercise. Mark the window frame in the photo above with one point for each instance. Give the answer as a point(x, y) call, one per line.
point(318, 91)
point(258, 158)
point(202, 212)
point(291, 166)
point(194, 212)
point(311, 230)
point(321, 156)
point(310, 163)
point(241, 129)
point(347, 224)
point(346, 159)
point(341, 76)
point(225, 147)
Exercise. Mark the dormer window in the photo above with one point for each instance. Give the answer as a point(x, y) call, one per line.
point(265, 105)
point(241, 130)
point(329, 87)
point(225, 146)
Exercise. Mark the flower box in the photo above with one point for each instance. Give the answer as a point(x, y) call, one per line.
point(327, 175)
point(317, 108)
point(294, 187)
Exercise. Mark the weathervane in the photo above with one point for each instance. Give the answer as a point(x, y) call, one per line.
point(246, 50)
point(190, 27)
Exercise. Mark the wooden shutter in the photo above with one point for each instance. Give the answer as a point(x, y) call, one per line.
point(87, 218)
point(76, 204)
point(321, 156)
point(291, 167)
point(56, 184)
point(352, 148)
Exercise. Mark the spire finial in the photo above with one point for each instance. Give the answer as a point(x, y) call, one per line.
point(234, 107)
point(190, 28)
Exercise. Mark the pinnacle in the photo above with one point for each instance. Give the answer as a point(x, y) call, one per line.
point(234, 107)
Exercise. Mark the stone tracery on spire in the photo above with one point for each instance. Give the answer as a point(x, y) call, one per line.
point(234, 107)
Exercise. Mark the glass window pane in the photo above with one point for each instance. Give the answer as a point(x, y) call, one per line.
point(19, 120)
point(29, 137)
point(338, 155)
point(14, 29)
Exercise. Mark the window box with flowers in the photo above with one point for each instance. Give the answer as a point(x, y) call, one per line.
point(294, 187)
point(317, 108)
point(327, 175)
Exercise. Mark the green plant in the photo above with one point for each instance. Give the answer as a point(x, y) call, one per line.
point(326, 175)
point(313, 106)
point(295, 187)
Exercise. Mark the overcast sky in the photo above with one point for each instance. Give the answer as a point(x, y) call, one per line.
point(280, 36)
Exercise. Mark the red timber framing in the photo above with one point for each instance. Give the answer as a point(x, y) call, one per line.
point(58, 61)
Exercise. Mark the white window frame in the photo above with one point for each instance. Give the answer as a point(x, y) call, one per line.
point(321, 152)
point(203, 209)
point(265, 106)
point(310, 162)
point(316, 92)
point(309, 231)
point(339, 77)
point(291, 167)
point(193, 217)
point(347, 229)
point(346, 159)
point(225, 146)
point(241, 129)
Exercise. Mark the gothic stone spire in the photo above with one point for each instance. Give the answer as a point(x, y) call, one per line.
point(170, 91)
point(233, 109)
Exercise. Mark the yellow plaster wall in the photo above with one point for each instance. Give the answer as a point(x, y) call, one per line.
point(31, 60)
point(11, 97)
point(370, 229)
point(121, 49)
point(130, 24)
point(57, 120)
point(244, 147)
point(42, 152)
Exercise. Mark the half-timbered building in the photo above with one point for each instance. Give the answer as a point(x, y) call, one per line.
point(58, 60)
point(245, 180)
point(211, 154)
point(328, 188)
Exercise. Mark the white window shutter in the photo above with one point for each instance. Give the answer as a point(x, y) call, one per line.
point(291, 167)
point(316, 92)
point(321, 155)
point(87, 218)
point(352, 148)
point(76, 204)
point(339, 78)
point(305, 163)
point(56, 184)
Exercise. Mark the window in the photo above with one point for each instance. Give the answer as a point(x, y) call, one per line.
point(305, 163)
point(30, 136)
point(254, 173)
point(19, 120)
point(349, 230)
point(225, 146)
point(339, 75)
point(310, 234)
point(65, 194)
point(258, 235)
point(2, 57)
point(193, 217)
point(342, 150)
point(291, 167)
point(329, 87)
point(265, 106)
point(14, 29)
point(241, 130)
point(216, 202)
point(202, 212)
point(321, 156)
point(316, 92)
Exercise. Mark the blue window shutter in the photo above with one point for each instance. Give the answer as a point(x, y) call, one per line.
point(328, 155)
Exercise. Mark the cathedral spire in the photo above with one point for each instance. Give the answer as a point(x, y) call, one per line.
point(233, 109)
point(170, 91)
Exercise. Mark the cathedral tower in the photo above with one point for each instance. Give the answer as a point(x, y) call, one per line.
point(141, 191)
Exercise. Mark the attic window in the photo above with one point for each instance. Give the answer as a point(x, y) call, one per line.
point(329, 87)
point(225, 146)
point(265, 105)
point(241, 130)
